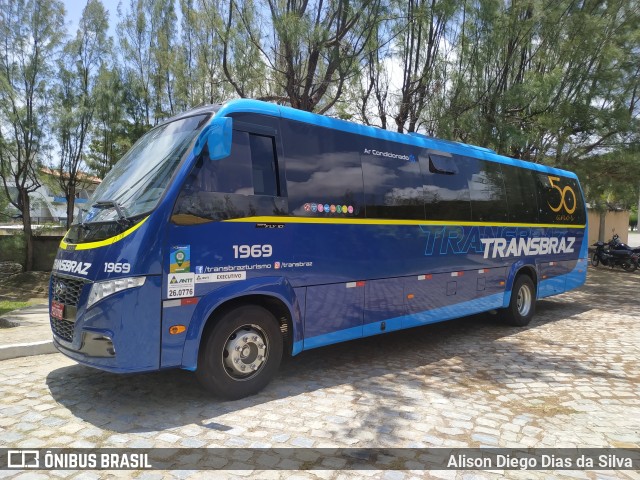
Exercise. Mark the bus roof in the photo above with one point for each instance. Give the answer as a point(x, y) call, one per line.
point(417, 139)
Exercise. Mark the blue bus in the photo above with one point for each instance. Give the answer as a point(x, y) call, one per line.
point(233, 234)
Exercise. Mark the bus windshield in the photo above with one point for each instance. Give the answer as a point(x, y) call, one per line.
point(138, 180)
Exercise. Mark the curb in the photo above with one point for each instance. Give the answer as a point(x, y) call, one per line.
point(27, 349)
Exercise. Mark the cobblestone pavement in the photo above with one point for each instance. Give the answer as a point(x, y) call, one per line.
point(570, 379)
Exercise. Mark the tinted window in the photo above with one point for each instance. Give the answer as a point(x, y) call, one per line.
point(446, 190)
point(559, 200)
point(323, 169)
point(232, 174)
point(392, 185)
point(265, 180)
point(520, 184)
point(442, 164)
point(487, 192)
point(242, 184)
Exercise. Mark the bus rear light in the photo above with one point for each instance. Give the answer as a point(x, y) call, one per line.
point(425, 277)
point(355, 284)
point(100, 290)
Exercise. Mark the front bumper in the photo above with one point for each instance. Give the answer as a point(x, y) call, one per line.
point(121, 333)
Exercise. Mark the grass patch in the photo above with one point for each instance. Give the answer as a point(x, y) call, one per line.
point(8, 306)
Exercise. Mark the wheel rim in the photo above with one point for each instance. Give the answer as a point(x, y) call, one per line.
point(523, 301)
point(245, 352)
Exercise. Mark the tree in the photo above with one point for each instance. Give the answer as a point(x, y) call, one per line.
point(404, 68)
point(163, 57)
point(76, 97)
point(200, 63)
point(147, 42)
point(554, 82)
point(420, 40)
point(30, 32)
point(110, 132)
point(311, 49)
point(135, 37)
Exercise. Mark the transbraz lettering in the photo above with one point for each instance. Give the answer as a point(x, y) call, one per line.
point(71, 266)
point(500, 247)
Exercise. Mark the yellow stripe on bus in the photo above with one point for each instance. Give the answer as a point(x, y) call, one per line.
point(313, 220)
point(376, 221)
point(102, 243)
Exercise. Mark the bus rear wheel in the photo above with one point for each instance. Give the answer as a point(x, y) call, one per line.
point(241, 354)
point(522, 305)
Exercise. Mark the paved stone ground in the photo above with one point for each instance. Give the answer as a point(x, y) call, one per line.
point(33, 325)
point(570, 379)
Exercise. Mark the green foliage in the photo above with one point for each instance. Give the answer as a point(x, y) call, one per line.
point(633, 218)
point(549, 82)
point(7, 306)
point(12, 248)
point(111, 133)
point(30, 32)
point(611, 180)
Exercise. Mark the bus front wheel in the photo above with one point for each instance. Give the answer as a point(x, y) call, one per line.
point(241, 354)
point(522, 305)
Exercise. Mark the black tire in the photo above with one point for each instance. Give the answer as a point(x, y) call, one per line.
point(523, 302)
point(246, 337)
point(629, 266)
point(595, 260)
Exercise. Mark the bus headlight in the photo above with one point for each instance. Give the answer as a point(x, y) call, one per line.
point(100, 290)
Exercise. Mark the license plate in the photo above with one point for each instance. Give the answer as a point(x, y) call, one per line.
point(57, 310)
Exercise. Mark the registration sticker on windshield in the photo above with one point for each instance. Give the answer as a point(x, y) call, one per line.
point(180, 259)
point(180, 285)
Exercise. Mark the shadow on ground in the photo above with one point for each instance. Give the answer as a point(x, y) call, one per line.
point(472, 350)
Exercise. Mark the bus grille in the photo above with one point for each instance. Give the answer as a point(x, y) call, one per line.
point(66, 291)
point(62, 328)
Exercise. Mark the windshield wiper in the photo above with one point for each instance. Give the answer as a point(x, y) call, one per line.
point(122, 218)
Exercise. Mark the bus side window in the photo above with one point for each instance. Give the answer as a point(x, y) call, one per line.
point(232, 174)
point(263, 160)
point(488, 195)
point(522, 196)
point(243, 184)
point(446, 193)
point(323, 171)
point(392, 186)
point(560, 200)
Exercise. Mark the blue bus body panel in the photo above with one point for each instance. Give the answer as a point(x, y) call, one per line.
point(342, 280)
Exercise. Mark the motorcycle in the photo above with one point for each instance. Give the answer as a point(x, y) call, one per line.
point(617, 245)
point(606, 255)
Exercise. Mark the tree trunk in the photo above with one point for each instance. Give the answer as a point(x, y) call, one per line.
point(638, 213)
point(28, 232)
point(603, 216)
point(71, 200)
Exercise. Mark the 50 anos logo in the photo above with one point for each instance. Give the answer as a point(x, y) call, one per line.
point(568, 199)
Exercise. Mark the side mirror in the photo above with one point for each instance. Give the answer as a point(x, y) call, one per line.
point(217, 136)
